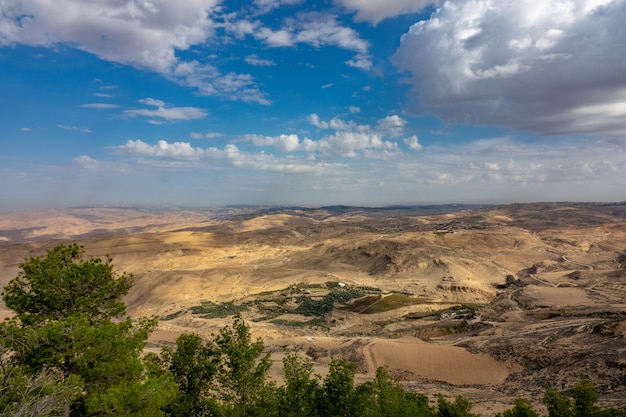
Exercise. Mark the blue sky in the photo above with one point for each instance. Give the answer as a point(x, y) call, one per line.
point(293, 102)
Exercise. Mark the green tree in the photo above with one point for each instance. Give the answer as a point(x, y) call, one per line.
point(61, 284)
point(193, 365)
point(585, 397)
point(65, 342)
point(385, 397)
point(25, 394)
point(297, 395)
point(336, 398)
point(558, 405)
point(522, 408)
point(242, 372)
point(461, 407)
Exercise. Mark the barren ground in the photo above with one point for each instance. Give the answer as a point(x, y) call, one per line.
point(491, 303)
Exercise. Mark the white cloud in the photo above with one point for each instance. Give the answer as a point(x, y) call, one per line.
point(152, 102)
point(284, 143)
point(275, 39)
point(259, 62)
point(165, 113)
point(209, 81)
point(318, 29)
point(176, 150)
point(142, 34)
point(75, 128)
point(179, 155)
point(100, 106)
point(350, 143)
point(374, 11)
point(267, 5)
point(413, 143)
point(207, 135)
point(361, 60)
point(549, 67)
point(391, 126)
point(86, 162)
point(354, 109)
point(349, 140)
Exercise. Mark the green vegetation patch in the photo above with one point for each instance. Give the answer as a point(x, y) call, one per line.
point(392, 302)
point(309, 306)
point(306, 299)
point(172, 316)
point(315, 322)
point(209, 310)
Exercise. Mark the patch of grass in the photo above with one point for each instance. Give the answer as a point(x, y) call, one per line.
point(392, 302)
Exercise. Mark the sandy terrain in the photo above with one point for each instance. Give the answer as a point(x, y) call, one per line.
point(497, 302)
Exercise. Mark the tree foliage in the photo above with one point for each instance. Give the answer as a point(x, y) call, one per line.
point(62, 284)
point(193, 365)
point(296, 398)
point(64, 355)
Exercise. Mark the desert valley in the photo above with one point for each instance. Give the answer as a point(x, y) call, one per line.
point(488, 302)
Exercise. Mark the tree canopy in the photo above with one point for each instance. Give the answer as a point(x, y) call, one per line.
point(61, 284)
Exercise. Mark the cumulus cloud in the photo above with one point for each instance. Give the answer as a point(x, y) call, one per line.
point(391, 126)
point(549, 67)
point(86, 162)
point(413, 143)
point(142, 34)
point(284, 143)
point(165, 113)
point(176, 150)
point(348, 139)
point(374, 11)
point(177, 155)
point(372, 169)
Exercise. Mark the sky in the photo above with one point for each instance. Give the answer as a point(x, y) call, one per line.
point(196, 103)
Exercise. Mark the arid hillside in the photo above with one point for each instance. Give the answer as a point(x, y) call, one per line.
point(489, 302)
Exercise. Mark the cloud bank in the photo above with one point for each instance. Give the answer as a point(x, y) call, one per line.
point(548, 67)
